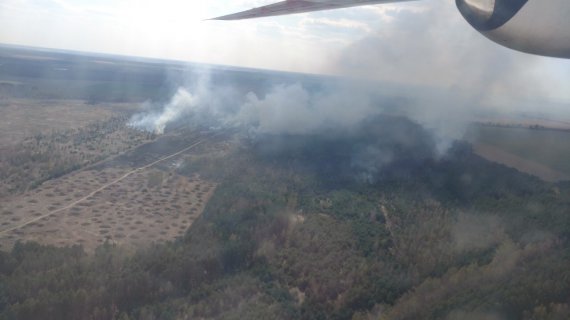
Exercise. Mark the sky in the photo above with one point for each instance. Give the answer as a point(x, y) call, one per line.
point(424, 43)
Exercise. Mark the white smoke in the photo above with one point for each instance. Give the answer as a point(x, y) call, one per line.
point(448, 72)
point(198, 102)
point(429, 47)
point(341, 113)
point(292, 109)
point(370, 161)
point(181, 104)
point(295, 109)
point(284, 109)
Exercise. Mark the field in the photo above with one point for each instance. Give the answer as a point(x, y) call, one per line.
point(498, 155)
point(133, 200)
point(544, 153)
point(145, 207)
point(22, 118)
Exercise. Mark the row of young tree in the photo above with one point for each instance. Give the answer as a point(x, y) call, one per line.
point(47, 156)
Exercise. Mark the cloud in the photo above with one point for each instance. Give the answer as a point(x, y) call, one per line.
point(337, 23)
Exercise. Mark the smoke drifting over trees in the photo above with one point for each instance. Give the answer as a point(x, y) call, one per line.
point(360, 120)
point(289, 119)
point(284, 109)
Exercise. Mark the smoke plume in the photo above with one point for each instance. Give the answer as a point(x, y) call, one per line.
point(181, 104)
point(284, 109)
point(365, 122)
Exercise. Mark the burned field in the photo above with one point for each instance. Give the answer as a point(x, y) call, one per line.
point(133, 200)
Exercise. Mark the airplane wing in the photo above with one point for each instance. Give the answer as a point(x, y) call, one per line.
point(298, 6)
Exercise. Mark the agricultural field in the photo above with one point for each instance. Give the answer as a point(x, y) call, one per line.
point(541, 152)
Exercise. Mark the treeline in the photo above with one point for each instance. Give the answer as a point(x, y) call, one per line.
point(525, 126)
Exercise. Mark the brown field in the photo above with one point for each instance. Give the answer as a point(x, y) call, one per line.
point(540, 151)
point(21, 118)
point(498, 155)
point(555, 123)
point(146, 206)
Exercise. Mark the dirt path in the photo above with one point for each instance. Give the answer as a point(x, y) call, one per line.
point(93, 193)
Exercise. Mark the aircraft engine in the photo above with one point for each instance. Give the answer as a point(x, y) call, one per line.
point(534, 26)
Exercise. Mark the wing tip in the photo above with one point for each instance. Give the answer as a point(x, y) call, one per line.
point(244, 15)
point(218, 18)
point(224, 18)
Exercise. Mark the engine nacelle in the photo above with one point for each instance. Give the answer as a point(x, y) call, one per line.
point(534, 26)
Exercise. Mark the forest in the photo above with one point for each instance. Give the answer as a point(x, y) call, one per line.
point(306, 227)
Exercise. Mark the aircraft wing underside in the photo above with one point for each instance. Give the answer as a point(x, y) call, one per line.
point(298, 6)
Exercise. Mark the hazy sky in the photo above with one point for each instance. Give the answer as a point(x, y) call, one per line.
point(424, 42)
